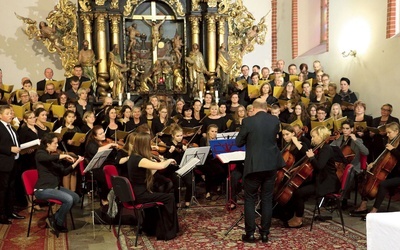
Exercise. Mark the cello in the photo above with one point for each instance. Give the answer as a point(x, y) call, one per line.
point(380, 169)
point(289, 160)
point(303, 170)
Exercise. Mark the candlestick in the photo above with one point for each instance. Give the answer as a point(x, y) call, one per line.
point(128, 96)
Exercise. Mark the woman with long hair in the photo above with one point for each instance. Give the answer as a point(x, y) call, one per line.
point(125, 116)
point(300, 113)
point(237, 118)
point(266, 94)
point(94, 144)
point(111, 124)
point(336, 111)
point(140, 167)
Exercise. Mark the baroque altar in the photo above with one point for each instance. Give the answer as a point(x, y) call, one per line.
point(151, 47)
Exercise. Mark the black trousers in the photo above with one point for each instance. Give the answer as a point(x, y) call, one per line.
point(7, 192)
point(384, 188)
point(252, 182)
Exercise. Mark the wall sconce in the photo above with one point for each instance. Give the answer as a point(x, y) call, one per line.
point(352, 53)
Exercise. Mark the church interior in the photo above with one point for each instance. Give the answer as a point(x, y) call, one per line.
point(184, 49)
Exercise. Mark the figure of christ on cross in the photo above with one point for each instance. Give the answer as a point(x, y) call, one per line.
point(155, 31)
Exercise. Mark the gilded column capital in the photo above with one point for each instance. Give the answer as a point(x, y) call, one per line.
point(221, 24)
point(194, 20)
point(100, 21)
point(85, 6)
point(114, 20)
point(211, 21)
point(87, 22)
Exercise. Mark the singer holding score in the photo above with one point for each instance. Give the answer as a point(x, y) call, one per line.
point(263, 158)
point(140, 171)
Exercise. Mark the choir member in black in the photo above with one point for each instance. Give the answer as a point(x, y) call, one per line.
point(289, 94)
point(83, 104)
point(223, 107)
point(300, 113)
point(100, 112)
point(137, 119)
point(237, 119)
point(88, 121)
point(41, 118)
point(212, 169)
point(187, 121)
point(345, 94)
point(28, 132)
point(320, 99)
point(156, 104)
point(140, 167)
point(94, 143)
point(379, 139)
point(266, 94)
point(208, 100)
point(160, 122)
point(176, 151)
point(70, 105)
point(48, 185)
point(213, 118)
point(69, 180)
point(234, 103)
point(110, 124)
point(392, 180)
point(198, 113)
point(148, 114)
point(360, 116)
point(177, 111)
point(324, 175)
point(312, 111)
point(125, 115)
point(62, 99)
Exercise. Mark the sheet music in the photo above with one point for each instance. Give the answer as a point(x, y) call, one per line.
point(227, 135)
point(232, 156)
point(188, 166)
point(29, 144)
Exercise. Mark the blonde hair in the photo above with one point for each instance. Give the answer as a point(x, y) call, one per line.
point(321, 131)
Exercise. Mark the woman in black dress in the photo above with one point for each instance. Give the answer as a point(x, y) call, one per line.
point(140, 169)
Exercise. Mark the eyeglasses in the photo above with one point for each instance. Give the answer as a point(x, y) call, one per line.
point(321, 113)
point(49, 89)
point(387, 110)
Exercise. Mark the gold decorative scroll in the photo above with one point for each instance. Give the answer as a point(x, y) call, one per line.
point(195, 5)
point(100, 2)
point(58, 34)
point(243, 33)
point(178, 7)
point(114, 4)
point(85, 5)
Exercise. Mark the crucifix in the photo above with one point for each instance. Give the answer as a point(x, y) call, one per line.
point(154, 21)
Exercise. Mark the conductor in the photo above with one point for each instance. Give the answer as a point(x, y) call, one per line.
point(263, 158)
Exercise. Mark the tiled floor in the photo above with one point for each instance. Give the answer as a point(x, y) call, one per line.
point(83, 237)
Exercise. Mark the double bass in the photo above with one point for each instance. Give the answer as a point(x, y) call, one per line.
point(381, 168)
point(303, 171)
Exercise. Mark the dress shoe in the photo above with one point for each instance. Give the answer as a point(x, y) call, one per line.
point(249, 238)
point(355, 213)
point(288, 225)
point(16, 216)
point(4, 220)
point(264, 237)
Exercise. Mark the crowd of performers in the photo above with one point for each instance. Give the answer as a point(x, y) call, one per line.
point(149, 141)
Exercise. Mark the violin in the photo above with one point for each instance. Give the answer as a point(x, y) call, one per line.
point(109, 141)
point(381, 168)
point(303, 170)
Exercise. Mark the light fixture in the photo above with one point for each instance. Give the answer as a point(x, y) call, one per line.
point(349, 53)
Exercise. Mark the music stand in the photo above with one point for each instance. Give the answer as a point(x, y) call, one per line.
point(96, 162)
point(221, 146)
point(191, 158)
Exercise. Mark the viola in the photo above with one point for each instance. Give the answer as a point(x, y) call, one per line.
point(381, 168)
point(109, 141)
point(303, 170)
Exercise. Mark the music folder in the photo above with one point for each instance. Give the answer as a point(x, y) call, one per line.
point(232, 156)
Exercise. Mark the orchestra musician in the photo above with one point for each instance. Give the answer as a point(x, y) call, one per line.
point(140, 168)
point(188, 121)
point(50, 172)
point(176, 151)
point(393, 178)
point(94, 143)
point(212, 169)
point(324, 179)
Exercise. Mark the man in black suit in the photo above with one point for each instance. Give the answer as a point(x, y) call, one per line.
point(263, 158)
point(50, 93)
point(48, 76)
point(9, 154)
point(78, 71)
